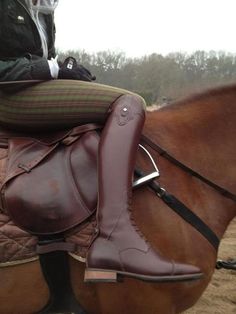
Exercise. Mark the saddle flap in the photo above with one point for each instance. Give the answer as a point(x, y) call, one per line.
point(24, 155)
point(59, 191)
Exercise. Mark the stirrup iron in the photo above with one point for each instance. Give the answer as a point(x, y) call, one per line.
point(149, 177)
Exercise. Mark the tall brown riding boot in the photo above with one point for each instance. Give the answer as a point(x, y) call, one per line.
point(120, 249)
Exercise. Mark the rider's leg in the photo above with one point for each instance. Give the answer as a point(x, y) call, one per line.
point(120, 247)
point(57, 104)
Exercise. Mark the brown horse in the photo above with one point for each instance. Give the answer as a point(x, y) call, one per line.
point(200, 132)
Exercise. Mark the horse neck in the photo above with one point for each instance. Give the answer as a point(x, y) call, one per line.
point(200, 132)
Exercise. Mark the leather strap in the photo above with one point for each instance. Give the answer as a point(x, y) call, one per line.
point(166, 155)
point(189, 216)
point(56, 271)
point(183, 211)
point(55, 246)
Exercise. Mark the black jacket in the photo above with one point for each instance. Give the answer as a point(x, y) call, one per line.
point(21, 55)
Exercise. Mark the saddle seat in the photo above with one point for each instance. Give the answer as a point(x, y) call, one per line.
point(51, 179)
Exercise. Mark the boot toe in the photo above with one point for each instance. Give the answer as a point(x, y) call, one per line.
point(184, 269)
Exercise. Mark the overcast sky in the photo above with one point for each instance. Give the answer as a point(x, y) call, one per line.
point(142, 27)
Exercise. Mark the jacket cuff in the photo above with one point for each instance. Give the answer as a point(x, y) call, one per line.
point(40, 69)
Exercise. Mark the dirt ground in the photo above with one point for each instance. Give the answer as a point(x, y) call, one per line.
point(220, 296)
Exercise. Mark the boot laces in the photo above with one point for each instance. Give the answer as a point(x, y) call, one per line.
point(132, 220)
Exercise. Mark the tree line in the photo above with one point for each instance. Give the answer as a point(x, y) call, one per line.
point(156, 77)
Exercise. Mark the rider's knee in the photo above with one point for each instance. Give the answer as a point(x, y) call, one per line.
point(134, 101)
point(139, 102)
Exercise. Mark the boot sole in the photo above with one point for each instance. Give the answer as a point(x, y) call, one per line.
point(102, 275)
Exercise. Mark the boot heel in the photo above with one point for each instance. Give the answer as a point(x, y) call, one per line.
point(100, 276)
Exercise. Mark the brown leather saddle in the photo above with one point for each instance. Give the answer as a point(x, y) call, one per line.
point(51, 179)
point(50, 187)
point(50, 184)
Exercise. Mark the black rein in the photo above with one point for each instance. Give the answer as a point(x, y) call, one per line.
point(166, 155)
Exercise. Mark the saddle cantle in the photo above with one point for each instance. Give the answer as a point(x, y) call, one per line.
point(50, 184)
